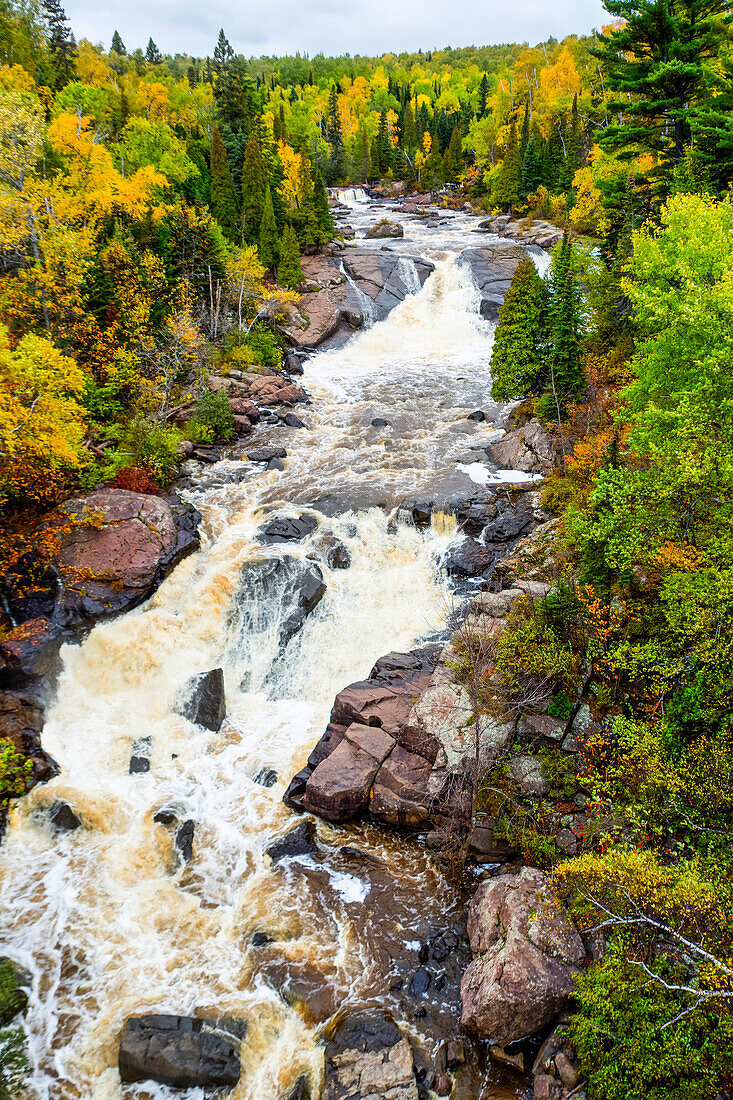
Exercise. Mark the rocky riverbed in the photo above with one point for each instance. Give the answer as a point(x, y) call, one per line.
point(179, 922)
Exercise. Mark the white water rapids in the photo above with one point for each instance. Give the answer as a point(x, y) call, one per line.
point(106, 919)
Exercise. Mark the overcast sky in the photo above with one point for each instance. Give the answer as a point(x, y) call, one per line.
point(256, 27)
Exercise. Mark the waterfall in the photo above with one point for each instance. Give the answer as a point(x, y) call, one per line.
point(352, 196)
point(407, 271)
point(366, 304)
point(541, 258)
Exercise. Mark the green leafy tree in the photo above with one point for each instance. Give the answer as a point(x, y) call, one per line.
point(267, 247)
point(224, 204)
point(289, 271)
point(520, 342)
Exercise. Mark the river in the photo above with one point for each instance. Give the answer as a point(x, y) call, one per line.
point(106, 918)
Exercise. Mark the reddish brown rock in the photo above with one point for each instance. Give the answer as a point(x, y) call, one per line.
point(371, 739)
point(399, 795)
point(339, 787)
point(29, 650)
point(530, 449)
point(526, 955)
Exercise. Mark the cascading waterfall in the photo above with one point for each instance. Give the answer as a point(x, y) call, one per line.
point(408, 273)
point(352, 196)
point(108, 919)
point(366, 305)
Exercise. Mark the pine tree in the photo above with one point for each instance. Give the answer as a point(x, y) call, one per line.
point(61, 43)
point(254, 185)
point(483, 96)
point(409, 133)
point(153, 56)
point(517, 360)
point(362, 153)
point(453, 160)
point(384, 144)
point(506, 186)
point(659, 61)
point(321, 207)
point(525, 132)
point(433, 173)
point(289, 272)
point(192, 76)
point(118, 46)
point(223, 52)
point(531, 170)
point(566, 378)
point(267, 247)
point(224, 205)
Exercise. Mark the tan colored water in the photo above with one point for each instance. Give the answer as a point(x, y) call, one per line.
point(105, 918)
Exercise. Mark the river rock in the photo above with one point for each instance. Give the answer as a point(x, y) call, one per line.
point(332, 551)
point(492, 269)
point(179, 1051)
point(184, 839)
point(63, 818)
point(284, 588)
point(530, 449)
point(384, 229)
point(287, 528)
point(266, 454)
point(204, 702)
point(339, 787)
point(300, 841)
point(381, 277)
point(468, 558)
point(369, 1059)
point(399, 795)
point(526, 955)
point(115, 548)
point(29, 651)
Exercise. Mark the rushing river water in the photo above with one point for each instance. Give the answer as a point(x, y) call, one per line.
point(106, 918)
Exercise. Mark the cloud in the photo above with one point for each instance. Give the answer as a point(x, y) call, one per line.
point(278, 27)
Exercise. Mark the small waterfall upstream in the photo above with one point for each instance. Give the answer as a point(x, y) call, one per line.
point(108, 919)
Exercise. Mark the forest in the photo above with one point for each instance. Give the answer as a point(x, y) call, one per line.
point(154, 213)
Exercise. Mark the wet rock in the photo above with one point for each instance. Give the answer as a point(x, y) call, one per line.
point(179, 1051)
point(184, 839)
point(139, 765)
point(287, 528)
point(266, 777)
point(400, 791)
point(301, 1089)
point(21, 722)
point(484, 847)
point(300, 841)
point(209, 455)
point(505, 1058)
point(116, 547)
point(420, 982)
point(529, 448)
point(29, 651)
point(339, 787)
point(266, 454)
point(275, 464)
point(492, 269)
point(468, 558)
point(293, 421)
point(203, 700)
point(165, 817)
point(478, 416)
point(273, 587)
point(332, 551)
point(566, 1070)
point(380, 422)
point(546, 1088)
point(526, 955)
point(261, 939)
point(385, 229)
point(63, 818)
point(368, 1058)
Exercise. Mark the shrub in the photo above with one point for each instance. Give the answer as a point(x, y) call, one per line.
point(15, 771)
point(135, 479)
point(145, 444)
point(214, 414)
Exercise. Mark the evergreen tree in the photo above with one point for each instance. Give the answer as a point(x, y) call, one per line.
point(337, 163)
point(508, 180)
point(384, 145)
point(453, 160)
point(659, 61)
point(223, 194)
point(153, 56)
point(409, 132)
point(525, 132)
point(531, 170)
point(433, 173)
point(289, 271)
point(321, 207)
point(61, 45)
point(118, 46)
point(223, 52)
point(192, 76)
point(362, 153)
point(566, 378)
point(267, 247)
point(254, 185)
point(517, 360)
point(483, 96)
point(711, 125)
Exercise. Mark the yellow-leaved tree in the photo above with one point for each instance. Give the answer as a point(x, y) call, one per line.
point(41, 419)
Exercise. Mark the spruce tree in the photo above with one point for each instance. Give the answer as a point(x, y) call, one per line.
point(566, 379)
point(118, 46)
point(61, 43)
point(224, 205)
point(525, 132)
point(483, 96)
point(517, 360)
point(531, 170)
point(321, 207)
point(507, 184)
point(153, 56)
point(453, 160)
point(289, 271)
point(223, 52)
point(409, 133)
point(384, 144)
point(254, 184)
point(267, 246)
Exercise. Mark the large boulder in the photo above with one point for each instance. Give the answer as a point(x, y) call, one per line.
point(339, 786)
point(180, 1051)
point(287, 528)
point(115, 549)
point(369, 1059)
point(526, 953)
point(384, 230)
point(529, 449)
point(280, 591)
point(203, 700)
point(400, 792)
point(492, 269)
